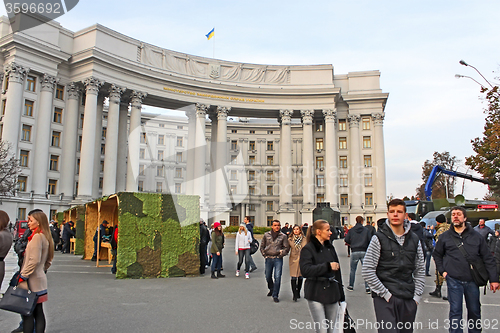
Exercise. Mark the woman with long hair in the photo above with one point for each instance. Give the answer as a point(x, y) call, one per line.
point(297, 241)
point(5, 242)
point(216, 250)
point(319, 264)
point(37, 260)
point(242, 249)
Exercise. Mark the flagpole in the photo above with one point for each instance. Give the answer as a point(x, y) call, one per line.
point(213, 55)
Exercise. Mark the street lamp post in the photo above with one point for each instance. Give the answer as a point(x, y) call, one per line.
point(462, 62)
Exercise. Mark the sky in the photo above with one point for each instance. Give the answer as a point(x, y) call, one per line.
point(416, 45)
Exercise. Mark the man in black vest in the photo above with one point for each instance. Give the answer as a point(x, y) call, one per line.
point(394, 270)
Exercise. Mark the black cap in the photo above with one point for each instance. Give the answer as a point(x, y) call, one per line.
point(440, 218)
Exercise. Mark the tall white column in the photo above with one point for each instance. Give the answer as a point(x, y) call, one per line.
point(221, 187)
point(43, 135)
point(356, 190)
point(287, 213)
point(191, 155)
point(331, 158)
point(14, 103)
point(112, 129)
point(68, 156)
point(121, 167)
point(134, 139)
point(213, 161)
point(87, 154)
point(307, 167)
point(98, 142)
point(379, 167)
point(200, 146)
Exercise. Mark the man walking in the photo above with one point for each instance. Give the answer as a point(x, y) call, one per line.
point(484, 230)
point(455, 268)
point(359, 238)
point(441, 227)
point(394, 270)
point(274, 247)
point(249, 227)
point(204, 239)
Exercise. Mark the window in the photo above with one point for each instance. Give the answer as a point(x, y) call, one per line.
point(367, 142)
point(4, 103)
point(343, 181)
point(319, 143)
point(369, 219)
point(251, 145)
point(251, 190)
point(342, 125)
point(21, 213)
point(80, 143)
point(269, 206)
point(270, 145)
point(103, 132)
point(177, 188)
point(234, 144)
point(233, 159)
point(270, 160)
point(24, 160)
point(319, 126)
point(57, 115)
point(21, 180)
point(52, 186)
point(100, 183)
point(82, 117)
point(102, 166)
point(178, 157)
point(319, 162)
point(269, 190)
point(159, 170)
point(320, 198)
point(180, 141)
point(342, 143)
point(142, 153)
point(343, 162)
point(141, 169)
point(54, 161)
point(178, 126)
point(368, 180)
point(234, 175)
point(159, 187)
point(251, 207)
point(270, 175)
point(368, 161)
point(178, 172)
point(140, 185)
point(161, 139)
point(56, 138)
point(234, 131)
point(31, 83)
point(26, 136)
point(160, 155)
point(269, 220)
point(368, 199)
point(344, 199)
point(103, 149)
point(320, 180)
point(269, 132)
point(233, 189)
point(78, 167)
point(251, 175)
point(251, 160)
point(366, 123)
point(60, 92)
point(28, 108)
point(252, 131)
point(143, 137)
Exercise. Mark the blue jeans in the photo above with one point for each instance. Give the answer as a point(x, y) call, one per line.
point(277, 265)
point(428, 256)
point(244, 254)
point(456, 291)
point(216, 262)
point(355, 257)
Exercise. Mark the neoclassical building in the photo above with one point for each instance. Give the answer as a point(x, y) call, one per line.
point(266, 141)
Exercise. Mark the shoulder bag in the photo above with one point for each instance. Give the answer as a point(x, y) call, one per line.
point(477, 267)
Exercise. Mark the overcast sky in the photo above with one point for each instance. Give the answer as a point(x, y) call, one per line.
point(416, 45)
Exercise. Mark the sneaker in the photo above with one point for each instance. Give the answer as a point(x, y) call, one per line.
point(237, 273)
point(350, 288)
point(368, 291)
point(247, 276)
point(276, 299)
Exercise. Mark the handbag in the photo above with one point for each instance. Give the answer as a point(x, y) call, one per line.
point(254, 246)
point(19, 300)
point(343, 322)
point(477, 267)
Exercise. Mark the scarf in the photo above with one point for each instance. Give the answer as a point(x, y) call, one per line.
point(30, 237)
point(298, 241)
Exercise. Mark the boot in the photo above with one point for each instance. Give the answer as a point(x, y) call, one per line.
point(294, 289)
point(437, 292)
point(220, 275)
point(213, 275)
point(299, 286)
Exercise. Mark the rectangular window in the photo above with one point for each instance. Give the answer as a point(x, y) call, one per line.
point(343, 181)
point(343, 162)
point(320, 180)
point(320, 198)
point(366, 123)
point(161, 139)
point(251, 160)
point(58, 115)
point(4, 103)
point(54, 161)
point(180, 142)
point(234, 175)
point(178, 157)
point(270, 190)
point(251, 190)
point(24, 158)
point(251, 207)
point(80, 143)
point(178, 172)
point(342, 125)
point(368, 180)
point(269, 175)
point(141, 169)
point(251, 145)
point(160, 155)
point(319, 162)
point(142, 153)
point(343, 143)
point(319, 126)
point(103, 132)
point(178, 126)
point(234, 144)
point(233, 159)
point(143, 137)
point(159, 187)
point(368, 161)
point(368, 199)
point(21, 180)
point(103, 149)
point(251, 175)
point(52, 186)
point(56, 139)
point(82, 117)
point(100, 182)
point(102, 166)
point(31, 83)
point(252, 131)
point(26, 136)
point(21, 213)
point(367, 142)
point(60, 92)
point(269, 132)
point(270, 160)
point(234, 131)
point(270, 206)
point(344, 199)
point(140, 185)
point(319, 143)
point(233, 189)
point(177, 188)
point(159, 170)
point(78, 167)
point(270, 145)
point(28, 108)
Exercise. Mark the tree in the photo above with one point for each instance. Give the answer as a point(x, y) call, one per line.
point(443, 184)
point(9, 170)
point(487, 158)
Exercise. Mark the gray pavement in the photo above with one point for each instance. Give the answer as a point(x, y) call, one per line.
point(85, 298)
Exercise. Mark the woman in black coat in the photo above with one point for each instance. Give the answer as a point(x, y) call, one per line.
point(319, 264)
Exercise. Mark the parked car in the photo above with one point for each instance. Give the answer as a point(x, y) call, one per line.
point(430, 217)
point(493, 224)
point(20, 228)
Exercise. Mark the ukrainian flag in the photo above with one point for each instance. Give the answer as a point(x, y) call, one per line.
point(210, 34)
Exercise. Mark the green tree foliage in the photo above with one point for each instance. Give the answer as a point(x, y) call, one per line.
point(9, 169)
point(444, 183)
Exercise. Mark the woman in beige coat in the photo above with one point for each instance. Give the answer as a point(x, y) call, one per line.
point(37, 259)
point(297, 242)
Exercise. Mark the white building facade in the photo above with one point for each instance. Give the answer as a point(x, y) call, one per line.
point(264, 141)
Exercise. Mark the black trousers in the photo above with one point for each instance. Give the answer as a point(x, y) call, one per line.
point(395, 316)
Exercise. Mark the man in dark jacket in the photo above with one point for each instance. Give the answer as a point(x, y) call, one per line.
point(204, 239)
point(371, 229)
point(56, 233)
point(451, 263)
point(67, 234)
point(394, 269)
point(358, 238)
point(483, 229)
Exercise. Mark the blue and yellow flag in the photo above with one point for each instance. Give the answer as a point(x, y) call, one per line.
point(210, 34)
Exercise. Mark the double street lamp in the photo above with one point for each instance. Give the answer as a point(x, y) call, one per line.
point(458, 76)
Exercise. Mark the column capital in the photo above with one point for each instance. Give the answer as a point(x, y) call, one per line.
point(73, 90)
point(222, 112)
point(353, 120)
point(49, 82)
point(15, 72)
point(202, 109)
point(286, 116)
point(92, 85)
point(307, 116)
point(330, 114)
point(115, 93)
point(378, 118)
point(136, 98)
